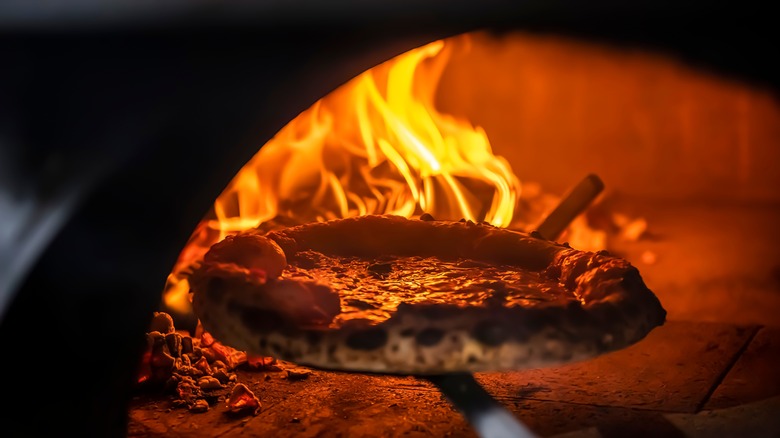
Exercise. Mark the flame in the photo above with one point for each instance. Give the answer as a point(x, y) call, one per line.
point(376, 145)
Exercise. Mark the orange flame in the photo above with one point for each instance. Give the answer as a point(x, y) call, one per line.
point(376, 145)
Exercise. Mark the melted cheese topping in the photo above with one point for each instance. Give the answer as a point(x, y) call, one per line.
point(373, 289)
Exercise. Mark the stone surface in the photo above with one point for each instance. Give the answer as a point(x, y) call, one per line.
point(673, 369)
point(349, 405)
point(755, 420)
point(326, 404)
point(343, 405)
point(626, 393)
point(755, 376)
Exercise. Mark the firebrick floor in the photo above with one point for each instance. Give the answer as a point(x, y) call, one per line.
point(686, 379)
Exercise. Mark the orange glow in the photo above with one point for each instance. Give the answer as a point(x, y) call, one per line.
point(376, 145)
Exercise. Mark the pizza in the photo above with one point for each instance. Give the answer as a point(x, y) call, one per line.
point(383, 293)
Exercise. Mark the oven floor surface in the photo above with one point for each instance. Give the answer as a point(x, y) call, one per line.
point(686, 379)
point(711, 370)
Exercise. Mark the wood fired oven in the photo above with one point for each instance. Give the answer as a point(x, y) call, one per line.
point(120, 127)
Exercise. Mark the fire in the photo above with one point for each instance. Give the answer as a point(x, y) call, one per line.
point(376, 145)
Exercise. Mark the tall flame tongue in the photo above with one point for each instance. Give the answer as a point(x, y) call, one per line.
point(376, 145)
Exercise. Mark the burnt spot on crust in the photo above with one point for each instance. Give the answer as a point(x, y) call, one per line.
point(313, 337)
point(575, 314)
point(552, 272)
point(535, 319)
point(498, 298)
point(214, 291)
point(404, 308)
point(619, 337)
point(260, 320)
point(471, 359)
point(497, 285)
point(520, 334)
point(429, 337)
point(491, 333)
point(368, 339)
point(307, 260)
point(437, 311)
point(282, 351)
point(426, 217)
point(380, 269)
point(234, 307)
point(406, 333)
point(607, 314)
point(631, 309)
point(562, 334)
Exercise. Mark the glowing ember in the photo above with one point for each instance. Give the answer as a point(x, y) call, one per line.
point(243, 401)
point(375, 145)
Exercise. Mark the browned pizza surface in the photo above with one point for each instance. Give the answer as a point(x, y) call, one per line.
point(373, 288)
point(396, 295)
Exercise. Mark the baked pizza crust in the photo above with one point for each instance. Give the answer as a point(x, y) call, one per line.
point(301, 318)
